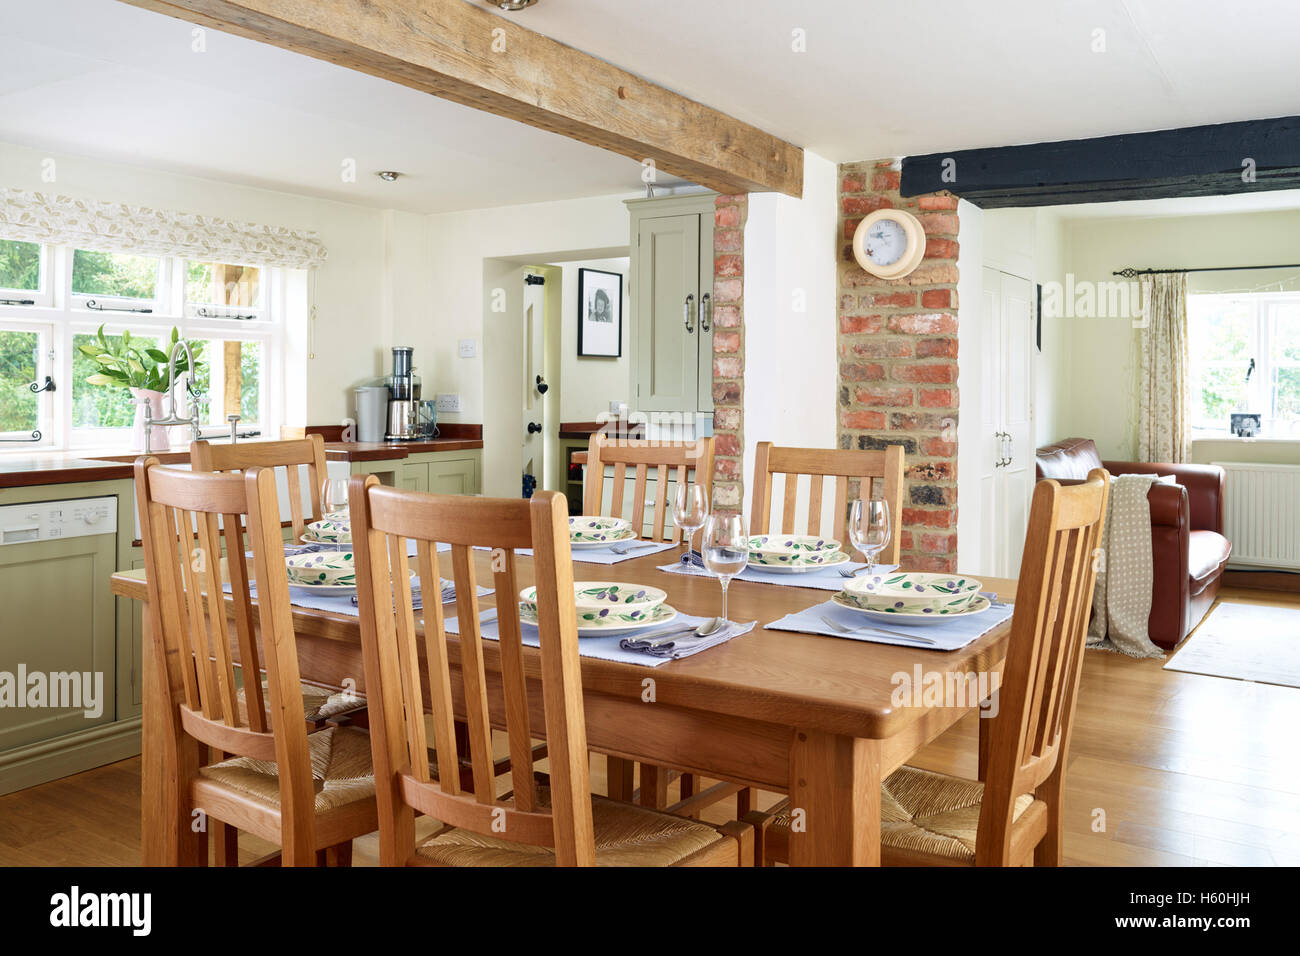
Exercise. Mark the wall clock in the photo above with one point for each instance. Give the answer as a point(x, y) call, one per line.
point(889, 243)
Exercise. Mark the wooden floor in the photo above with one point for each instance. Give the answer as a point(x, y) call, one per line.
point(1166, 769)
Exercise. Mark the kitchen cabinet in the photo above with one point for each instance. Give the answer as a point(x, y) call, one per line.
point(671, 283)
point(443, 472)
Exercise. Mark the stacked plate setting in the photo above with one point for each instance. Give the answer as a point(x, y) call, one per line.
point(913, 597)
point(335, 528)
point(608, 607)
point(595, 531)
point(794, 553)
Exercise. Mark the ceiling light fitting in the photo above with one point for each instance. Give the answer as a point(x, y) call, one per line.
point(510, 6)
point(388, 175)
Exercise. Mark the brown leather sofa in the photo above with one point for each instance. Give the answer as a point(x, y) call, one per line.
point(1188, 548)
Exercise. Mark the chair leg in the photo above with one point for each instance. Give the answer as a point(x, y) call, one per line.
point(688, 785)
point(760, 822)
point(744, 802)
point(618, 778)
point(654, 786)
point(225, 842)
point(1051, 791)
point(340, 854)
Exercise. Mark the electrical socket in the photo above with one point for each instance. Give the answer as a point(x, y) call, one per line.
point(468, 348)
point(449, 402)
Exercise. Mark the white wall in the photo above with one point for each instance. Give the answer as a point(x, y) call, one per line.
point(348, 338)
point(791, 250)
point(589, 384)
point(970, 326)
point(1100, 401)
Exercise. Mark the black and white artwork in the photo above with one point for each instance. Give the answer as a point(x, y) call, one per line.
point(600, 313)
point(1245, 424)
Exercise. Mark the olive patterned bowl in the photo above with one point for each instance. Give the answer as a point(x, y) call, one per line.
point(911, 592)
point(607, 601)
point(792, 550)
point(321, 569)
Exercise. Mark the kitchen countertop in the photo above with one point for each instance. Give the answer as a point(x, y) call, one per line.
point(53, 468)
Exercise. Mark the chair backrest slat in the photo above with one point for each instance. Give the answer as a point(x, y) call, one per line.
point(818, 464)
point(670, 460)
point(291, 455)
point(383, 521)
point(1029, 737)
point(184, 518)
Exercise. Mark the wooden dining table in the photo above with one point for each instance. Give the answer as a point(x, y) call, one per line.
point(803, 714)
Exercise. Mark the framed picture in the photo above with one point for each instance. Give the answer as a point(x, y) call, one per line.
point(600, 313)
point(1245, 424)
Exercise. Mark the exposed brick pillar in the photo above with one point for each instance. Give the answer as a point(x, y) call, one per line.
point(898, 360)
point(729, 351)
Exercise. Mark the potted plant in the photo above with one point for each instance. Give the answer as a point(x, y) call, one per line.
point(126, 362)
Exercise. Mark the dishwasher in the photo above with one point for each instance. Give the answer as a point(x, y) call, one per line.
point(58, 629)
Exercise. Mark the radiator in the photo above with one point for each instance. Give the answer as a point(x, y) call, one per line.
point(1262, 514)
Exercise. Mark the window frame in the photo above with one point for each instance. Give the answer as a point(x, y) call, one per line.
point(65, 316)
point(1261, 392)
point(42, 297)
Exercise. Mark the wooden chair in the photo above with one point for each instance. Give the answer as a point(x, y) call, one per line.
point(1014, 818)
point(290, 455)
point(819, 463)
point(551, 822)
point(681, 459)
point(311, 794)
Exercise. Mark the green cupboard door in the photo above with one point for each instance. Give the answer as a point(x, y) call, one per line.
point(456, 476)
point(58, 621)
point(413, 476)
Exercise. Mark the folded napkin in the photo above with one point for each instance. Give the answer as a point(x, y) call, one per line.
point(952, 634)
point(610, 648)
point(636, 549)
point(825, 579)
point(684, 643)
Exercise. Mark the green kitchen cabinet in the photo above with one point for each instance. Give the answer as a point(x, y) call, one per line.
point(443, 472)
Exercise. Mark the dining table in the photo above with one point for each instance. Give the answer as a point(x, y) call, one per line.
point(809, 715)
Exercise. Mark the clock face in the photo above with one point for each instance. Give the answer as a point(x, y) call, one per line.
point(885, 242)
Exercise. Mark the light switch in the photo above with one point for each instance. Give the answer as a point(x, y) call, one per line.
point(468, 348)
point(449, 402)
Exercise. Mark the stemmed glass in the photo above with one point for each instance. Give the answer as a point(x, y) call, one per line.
point(726, 550)
point(690, 510)
point(334, 495)
point(869, 528)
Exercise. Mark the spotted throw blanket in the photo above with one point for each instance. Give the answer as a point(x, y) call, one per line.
point(1121, 601)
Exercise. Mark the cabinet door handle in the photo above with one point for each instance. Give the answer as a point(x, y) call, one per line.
point(688, 312)
point(706, 312)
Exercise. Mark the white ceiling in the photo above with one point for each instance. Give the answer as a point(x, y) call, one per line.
point(100, 78)
point(1277, 200)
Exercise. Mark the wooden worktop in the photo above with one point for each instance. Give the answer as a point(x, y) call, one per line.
point(56, 468)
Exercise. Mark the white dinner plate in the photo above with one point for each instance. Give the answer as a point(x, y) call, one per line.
point(978, 606)
point(833, 562)
point(662, 615)
point(328, 589)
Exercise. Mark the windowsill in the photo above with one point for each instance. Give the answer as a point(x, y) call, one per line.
point(1239, 439)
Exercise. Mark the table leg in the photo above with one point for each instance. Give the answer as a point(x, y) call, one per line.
point(168, 759)
point(986, 729)
point(835, 783)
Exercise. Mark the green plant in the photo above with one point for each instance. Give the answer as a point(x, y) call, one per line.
point(123, 363)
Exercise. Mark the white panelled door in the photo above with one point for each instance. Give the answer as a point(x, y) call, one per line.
point(534, 422)
point(1006, 461)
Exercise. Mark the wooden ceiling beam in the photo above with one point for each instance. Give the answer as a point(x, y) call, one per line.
point(467, 55)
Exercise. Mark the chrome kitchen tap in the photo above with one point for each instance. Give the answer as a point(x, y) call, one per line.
point(172, 418)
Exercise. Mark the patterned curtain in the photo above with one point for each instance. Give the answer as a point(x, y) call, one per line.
point(1163, 379)
point(114, 227)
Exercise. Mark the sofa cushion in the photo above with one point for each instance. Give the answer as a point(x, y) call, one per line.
point(1206, 553)
point(1067, 460)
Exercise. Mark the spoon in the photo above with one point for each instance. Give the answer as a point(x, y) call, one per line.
point(711, 626)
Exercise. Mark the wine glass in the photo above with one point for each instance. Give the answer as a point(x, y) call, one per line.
point(334, 495)
point(690, 510)
point(726, 550)
point(869, 528)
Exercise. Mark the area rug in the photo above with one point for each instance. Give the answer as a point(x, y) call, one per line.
point(1251, 642)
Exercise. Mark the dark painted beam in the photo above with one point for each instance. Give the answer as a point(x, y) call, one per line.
point(1194, 161)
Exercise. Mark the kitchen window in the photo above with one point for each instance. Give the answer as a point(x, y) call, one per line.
point(55, 298)
point(1245, 358)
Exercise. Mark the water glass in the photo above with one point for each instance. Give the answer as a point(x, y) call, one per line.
point(869, 528)
point(726, 550)
point(690, 510)
point(334, 495)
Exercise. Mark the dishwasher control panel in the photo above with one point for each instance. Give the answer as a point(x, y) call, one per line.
point(53, 520)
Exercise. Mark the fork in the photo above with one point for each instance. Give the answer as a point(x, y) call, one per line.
point(837, 626)
point(629, 548)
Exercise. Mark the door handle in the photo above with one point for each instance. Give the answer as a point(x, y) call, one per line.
point(1002, 461)
point(534, 427)
point(541, 386)
point(688, 312)
point(706, 312)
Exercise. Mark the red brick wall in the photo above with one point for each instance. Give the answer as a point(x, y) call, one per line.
point(729, 351)
point(898, 360)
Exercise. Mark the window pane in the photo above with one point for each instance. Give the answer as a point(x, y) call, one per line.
point(217, 283)
point(18, 409)
point(101, 406)
point(1219, 330)
point(114, 273)
point(230, 374)
point(1284, 336)
point(20, 265)
point(1286, 395)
